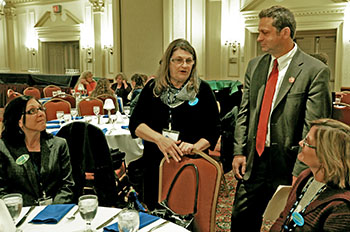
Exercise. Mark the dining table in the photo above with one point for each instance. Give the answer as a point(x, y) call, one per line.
point(78, 224)
point(116, 130)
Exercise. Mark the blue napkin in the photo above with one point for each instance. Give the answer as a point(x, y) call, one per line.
point(54, 132)
point(52, 126)
point(104, 130)
point(52, 214)
point(55, 122)
point(125, 127)
point(145, 220)
point(79, 117)
point(105, 116)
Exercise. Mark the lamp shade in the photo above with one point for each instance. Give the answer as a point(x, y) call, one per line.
point(81, 87)
point(109, 105)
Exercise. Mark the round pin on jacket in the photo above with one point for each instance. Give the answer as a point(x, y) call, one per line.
point(298, 219)
point(193, 102)
point(22, 159)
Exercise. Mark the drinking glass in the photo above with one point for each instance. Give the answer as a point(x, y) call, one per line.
point(88, 205)
point(126, 110)
point(60, 115)
point(74, 112)
point(14, 203)
point(128, 220)
point(96, 110)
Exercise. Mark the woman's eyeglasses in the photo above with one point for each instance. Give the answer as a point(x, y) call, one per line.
point(306, 144)
point(180, 61)
point(35, 110)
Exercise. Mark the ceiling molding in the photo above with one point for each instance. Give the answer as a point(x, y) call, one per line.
point(35, 2)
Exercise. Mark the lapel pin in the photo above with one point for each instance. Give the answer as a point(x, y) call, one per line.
point(22, 159)
point(291, 79)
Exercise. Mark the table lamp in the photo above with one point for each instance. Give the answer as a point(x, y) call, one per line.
point(109, 105)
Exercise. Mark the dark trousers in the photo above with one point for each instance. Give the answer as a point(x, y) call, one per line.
point(253, 195)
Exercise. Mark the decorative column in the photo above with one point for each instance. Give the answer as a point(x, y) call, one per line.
point(98, 8)
point(12, 43)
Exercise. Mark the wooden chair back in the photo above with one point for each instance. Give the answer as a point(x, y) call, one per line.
point(69, 98)
point(32, 91)
point(341, 112)
point(49, 89)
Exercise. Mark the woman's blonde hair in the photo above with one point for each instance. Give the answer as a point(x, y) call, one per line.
point(333, 151)
point(122, 75)
point(102, 87)
point(83, 75)
point(162, 79)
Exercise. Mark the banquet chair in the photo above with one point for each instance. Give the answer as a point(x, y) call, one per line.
point(181, 199)
point(345, 97)
point(341, 112)
point(85, 106)
point(103, 97)
point(90, 159)
point(11, 94)
point(69, 98)
point(54, 105)
point(32, 91)
point(49, 89)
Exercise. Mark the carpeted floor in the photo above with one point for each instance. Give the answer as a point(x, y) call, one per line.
point(225, 202)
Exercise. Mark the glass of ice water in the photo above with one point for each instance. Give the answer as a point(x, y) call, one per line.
point(128, 220)
point(14, 203)
point(88, 205)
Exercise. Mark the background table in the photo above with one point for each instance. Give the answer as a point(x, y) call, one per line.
point(78, 224)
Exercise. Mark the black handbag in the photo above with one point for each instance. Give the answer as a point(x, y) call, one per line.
point(166, 213)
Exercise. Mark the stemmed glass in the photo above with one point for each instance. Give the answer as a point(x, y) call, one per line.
point(96, 110)
point(74, 113)
point(60, 115)
point(128, 220)
point(88, 205)
point(14, 203)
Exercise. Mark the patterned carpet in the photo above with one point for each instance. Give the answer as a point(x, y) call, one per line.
point(224, 206)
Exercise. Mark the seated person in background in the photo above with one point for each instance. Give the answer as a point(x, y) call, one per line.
point(85, 80)
point(137, 83)
point(102, 87)
point(32, 162)
point(320, 198)
point(121, 87)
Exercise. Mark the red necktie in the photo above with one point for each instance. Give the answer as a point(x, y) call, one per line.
point(266, 109)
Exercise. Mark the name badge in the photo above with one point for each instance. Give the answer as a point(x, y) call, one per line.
point(22, 159)
point(174, 135)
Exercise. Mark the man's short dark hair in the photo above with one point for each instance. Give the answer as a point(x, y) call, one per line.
point(282, 17)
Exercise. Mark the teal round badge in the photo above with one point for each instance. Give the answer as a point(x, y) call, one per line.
point(193, 102)
point(22, 159)
point(298, 219)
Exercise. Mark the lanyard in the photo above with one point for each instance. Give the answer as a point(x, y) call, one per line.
point(170, 109)
point(291, 228)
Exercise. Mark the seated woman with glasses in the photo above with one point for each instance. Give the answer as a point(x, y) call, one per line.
point(175, 114)
point(320, 198)
point(32, 162)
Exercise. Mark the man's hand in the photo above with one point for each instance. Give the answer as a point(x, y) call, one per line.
point(239, 165)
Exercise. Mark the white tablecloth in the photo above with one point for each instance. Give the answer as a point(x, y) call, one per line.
point(117, 135)
point(78, 224)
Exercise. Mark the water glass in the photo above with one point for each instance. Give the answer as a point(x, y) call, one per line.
point(60, 115)
point(128, 220)
point(14, 204)
point(74, 112)
point(88, 205)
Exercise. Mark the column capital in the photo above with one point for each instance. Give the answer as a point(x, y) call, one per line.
point(98, 5)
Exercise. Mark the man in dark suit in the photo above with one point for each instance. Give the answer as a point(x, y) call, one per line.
point(284, 90)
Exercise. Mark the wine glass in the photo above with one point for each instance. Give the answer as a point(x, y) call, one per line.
point(59, 115)
point(74, 112)
point(128, 220)
point(14, 203)
point(96, 110)
point(88, 205)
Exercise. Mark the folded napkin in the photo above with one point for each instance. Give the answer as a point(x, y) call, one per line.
point(104, 130)
point(105, 116)
point(52, 214)
point(78, 117)
point(145, 220)
point(125, 127)
point(52, 126)
point(54, 122)
point(54, 132)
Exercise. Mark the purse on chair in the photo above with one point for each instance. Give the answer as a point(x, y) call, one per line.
point(167, 213)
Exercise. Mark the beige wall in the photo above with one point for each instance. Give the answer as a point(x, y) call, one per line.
point(141, 36)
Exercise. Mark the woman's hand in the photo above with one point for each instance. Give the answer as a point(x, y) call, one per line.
point(84, 82)
point(186, 148)
point(169, 147)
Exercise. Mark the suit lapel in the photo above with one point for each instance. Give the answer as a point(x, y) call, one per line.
point(290, 77)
